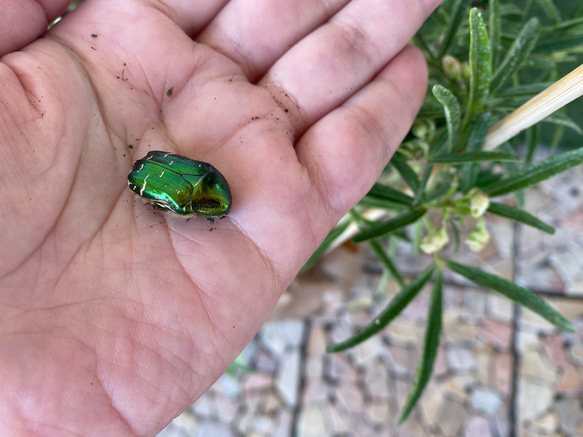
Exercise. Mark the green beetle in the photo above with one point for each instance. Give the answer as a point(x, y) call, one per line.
point(180, 185)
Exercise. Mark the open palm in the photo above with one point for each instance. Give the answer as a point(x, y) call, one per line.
point(114, 316)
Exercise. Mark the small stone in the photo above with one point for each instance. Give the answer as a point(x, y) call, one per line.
point(338, 368)
point(376, 380)
point(256, 381)
point(214, 429)
point(496, 333)
point(456, 330)
point(365, 353)
point(404, 331)
point(533, 400)
point(459, 384)
point(400, 359)
point(484, 370)
point(272, 402)
point(288, 375)
point(312, 422)
point(452, 417)
point(501, 308)
point(548, 423)
point(526, 341)
point(460, 359)
point(569, 411)
point(315, 391)
point(263, 424)
point(284, 424)
point(569, 381)
point(277, 337)
point(503, 373)
point(340, 423)
point(203, 407)
point(265, 363)
point(227, 385)
point(431, 402)
point(534, 368)
point(474, 305)
point(477, 426)
point(316, 341)
point(349, 397)
point(555, 352)
point(575, 353)
point(183, 425)
point(486, 401)
point(377, 412)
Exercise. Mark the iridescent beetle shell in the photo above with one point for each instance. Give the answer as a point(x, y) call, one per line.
point(180, 185)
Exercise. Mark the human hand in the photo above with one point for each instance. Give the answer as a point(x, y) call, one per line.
point(115, 317)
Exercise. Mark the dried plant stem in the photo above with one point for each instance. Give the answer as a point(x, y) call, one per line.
point(540, 106)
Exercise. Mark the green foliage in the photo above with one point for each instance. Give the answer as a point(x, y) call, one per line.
point(441, 182)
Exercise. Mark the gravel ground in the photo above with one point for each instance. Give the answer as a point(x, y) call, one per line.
point(500, 371)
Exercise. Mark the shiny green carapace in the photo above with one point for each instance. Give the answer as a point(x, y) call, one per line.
point(180, 185)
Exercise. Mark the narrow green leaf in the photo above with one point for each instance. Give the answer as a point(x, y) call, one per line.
point(372, 202)
point(480, 65)
point(420, 42)
point(551, 10)
point(420, 194)
point(379, 191)
point(514, 292)
point(562, 119)
point(513, 168)
point(517, 54)
point(457, 14)
point(407, 173)
point(532, 141)
point(566, 25)
point(391, 225)
point(558, 44)
point(456, 158)
point(452, 111)
point(430, 346)
point(536, 173)
point(495, 20)
point(527, 90)
point(520, 216)
point(392, 310)
point(558, 133)
point(383, 257)
point(478, 130)
point(330, 238)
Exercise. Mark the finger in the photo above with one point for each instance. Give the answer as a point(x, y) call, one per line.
point(192, 16)
point(254, 34)
point(22, 21)
point(347, 150)
point(336, 60)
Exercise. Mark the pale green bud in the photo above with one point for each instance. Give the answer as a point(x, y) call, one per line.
point(434, 240)
point(479, 203)
point(479, 237)
point(451, 67)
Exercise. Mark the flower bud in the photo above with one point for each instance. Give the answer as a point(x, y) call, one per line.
point(419, 129)
point(451, 67)
point(479, 203)
point(479, 237)
point(434, 240)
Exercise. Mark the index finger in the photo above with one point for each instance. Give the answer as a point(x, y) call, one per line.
point(336, 60)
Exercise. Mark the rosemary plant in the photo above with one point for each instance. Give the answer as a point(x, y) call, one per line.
point(484, 63)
